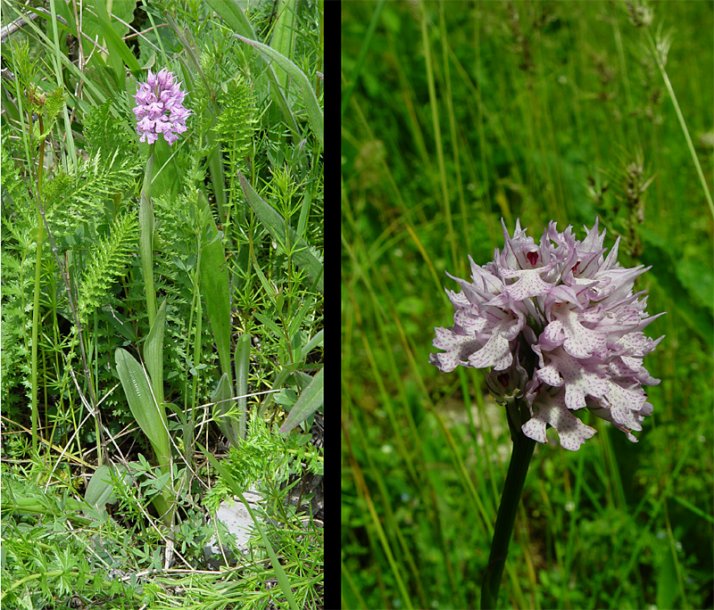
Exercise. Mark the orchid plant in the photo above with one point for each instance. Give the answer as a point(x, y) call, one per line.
point(561, 329)
point(159, 111)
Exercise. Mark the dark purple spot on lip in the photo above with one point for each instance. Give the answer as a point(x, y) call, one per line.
point(532, 258)
point(575, 267)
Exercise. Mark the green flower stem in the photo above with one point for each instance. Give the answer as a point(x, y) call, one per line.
point(516, 477)
point(146, 239)
point(163, 501)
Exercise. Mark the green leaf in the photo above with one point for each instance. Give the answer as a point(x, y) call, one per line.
point(307, 93)
point(233, 15)
point(309, 401)
point(667, 589)
point(242, 365)
point(316, 341)
point(109, 258)
point(149, 415)
point(215, 289)
point(154, 353)
point(283, 37)
point(279, 230)
point(664, 270)
point(221, 397)
point(100, 489)
point(54, 104)
point(697, 277)
point(98, 21)
point(280, 380)
point(93, 92)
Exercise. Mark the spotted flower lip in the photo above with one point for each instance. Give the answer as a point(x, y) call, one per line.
point(558, 324)
point(159, 108)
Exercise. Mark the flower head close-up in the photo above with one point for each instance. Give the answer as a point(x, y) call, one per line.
point(561, 329)
point(159, 108)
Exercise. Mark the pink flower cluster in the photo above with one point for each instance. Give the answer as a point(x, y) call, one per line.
point(159, 108)
point(561, 329)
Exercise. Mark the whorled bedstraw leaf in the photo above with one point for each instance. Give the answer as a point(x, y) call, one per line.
point(280, 230)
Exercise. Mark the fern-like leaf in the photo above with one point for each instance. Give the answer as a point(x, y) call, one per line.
point(109, 263)
point(235, 126)
point(73, 200)
point(105, 133)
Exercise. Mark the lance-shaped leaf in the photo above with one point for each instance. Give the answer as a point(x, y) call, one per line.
point(308, 402)
point(284, 34)
point(222, 399)
point(154, 353)
point(280, 230)
point(150, 415)
point(215, 290)
point(242, 364)
point(100, 489)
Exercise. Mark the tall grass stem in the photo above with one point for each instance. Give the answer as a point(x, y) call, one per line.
point(434, 104)
point(682, 124)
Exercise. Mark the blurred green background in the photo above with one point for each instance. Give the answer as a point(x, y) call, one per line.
point(454, 116)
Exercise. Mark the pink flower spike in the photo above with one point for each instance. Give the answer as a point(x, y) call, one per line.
point(560, 327)
point(160, 99)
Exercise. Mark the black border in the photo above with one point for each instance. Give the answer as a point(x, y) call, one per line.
point(332, 167)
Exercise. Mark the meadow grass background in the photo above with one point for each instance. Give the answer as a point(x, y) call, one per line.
point(455, 115)
point(242, 188)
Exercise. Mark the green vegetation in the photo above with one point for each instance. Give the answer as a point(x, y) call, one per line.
point(162, 306)
point(456, 115)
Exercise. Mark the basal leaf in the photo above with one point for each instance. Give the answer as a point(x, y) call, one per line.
point(100, 489)
point(149, 415)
